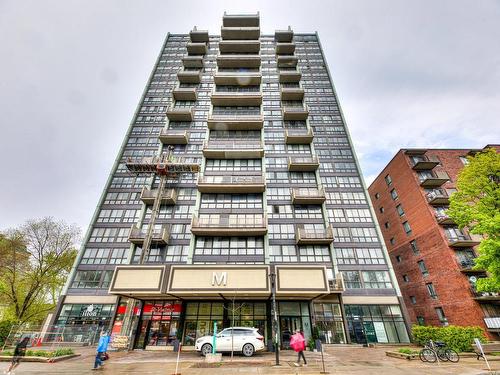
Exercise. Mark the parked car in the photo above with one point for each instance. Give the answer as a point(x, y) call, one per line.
point(243, 339)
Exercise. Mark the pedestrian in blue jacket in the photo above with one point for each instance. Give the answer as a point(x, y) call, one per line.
point(102, 348)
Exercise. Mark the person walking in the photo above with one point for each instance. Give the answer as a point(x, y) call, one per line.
point(19, 352)
point(298, 343)
point(102, 348)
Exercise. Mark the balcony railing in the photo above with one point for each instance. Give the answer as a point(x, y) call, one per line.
point(233, 149)
point(463, 241)
point(308, 196)
point(492, 323)
point(337, 284)
point(137, 236)
point(298, 136)
point(174, 136)
point(444, 219)
point(434, 179)
point(168, 196)
point(198, 36)
point(292, 75)
point(235, 122)
point(180, 113)
point(285, 48)
point(316, 237)
point(303, 164)
point(238, 77)
point(192, 61)
point(438, 197)
point(231, 184)
point(238, 33)
point(196, 48)
point(233, 225)
point(292, 113)
point(184, 93)
point(485, 296)
point(241, 20)
point(286, 61)
point(189, 76)
point(248, 46)
point(283, 36)
point(422, 162)
point(239, 61)
point(292, 93)
point(236, 98)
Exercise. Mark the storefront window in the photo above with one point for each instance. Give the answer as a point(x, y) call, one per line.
point(376, 323)
point(160, 323)
point(329, 323)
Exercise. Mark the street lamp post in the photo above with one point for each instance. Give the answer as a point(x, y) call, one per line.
point(274, 313)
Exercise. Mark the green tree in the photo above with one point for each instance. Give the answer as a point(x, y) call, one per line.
point(35, 260)
point(476, 205)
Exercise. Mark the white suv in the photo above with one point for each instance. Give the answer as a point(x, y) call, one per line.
point(242, 339)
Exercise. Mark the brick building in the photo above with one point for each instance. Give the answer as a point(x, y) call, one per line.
point(433, 259)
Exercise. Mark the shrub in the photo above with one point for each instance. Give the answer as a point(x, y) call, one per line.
point(61, 352)
point(5, 327)
point(406, 351)
point(458, 338)
point(7, 353)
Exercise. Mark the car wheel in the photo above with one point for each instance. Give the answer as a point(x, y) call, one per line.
point(206, 349)
point(248, 350)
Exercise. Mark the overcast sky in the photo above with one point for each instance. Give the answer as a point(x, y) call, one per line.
point(408, 74)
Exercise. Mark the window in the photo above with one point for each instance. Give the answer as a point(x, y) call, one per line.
point(392, 241)
point(413, 300)
point(398, 258)
point(400, 210)
point(431, 290)
point(388, 180)
point(407, 227)
point(377, 195)
point(420, 321)
point(441, 316)
point(406, 279)
point(414, 247)
point(376, 280)
point(381, 209)
point(87, 279)
point(423, 268)
point(387, 225)
point(394, 194)
point(464, 160)
point(351, 279)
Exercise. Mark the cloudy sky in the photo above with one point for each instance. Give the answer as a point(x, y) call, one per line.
point(408, 74)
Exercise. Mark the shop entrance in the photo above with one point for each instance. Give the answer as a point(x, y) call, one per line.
point(288, 326)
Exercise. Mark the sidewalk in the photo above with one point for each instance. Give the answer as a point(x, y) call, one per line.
point(338, 360)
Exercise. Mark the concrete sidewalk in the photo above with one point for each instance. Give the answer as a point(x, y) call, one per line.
point(338, 360)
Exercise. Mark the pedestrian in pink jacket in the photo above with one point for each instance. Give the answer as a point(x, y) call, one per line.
point(298, 343)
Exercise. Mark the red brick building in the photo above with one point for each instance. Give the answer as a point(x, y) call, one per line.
point(432, 258)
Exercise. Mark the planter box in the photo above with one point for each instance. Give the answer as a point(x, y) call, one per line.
point(4, 358)
point(399, 355)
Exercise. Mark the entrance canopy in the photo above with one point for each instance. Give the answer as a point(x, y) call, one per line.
point(227, 281)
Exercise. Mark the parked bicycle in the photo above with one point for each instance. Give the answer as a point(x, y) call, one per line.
point(433, 351)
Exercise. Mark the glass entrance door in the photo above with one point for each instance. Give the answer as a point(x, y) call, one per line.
point(288, 326)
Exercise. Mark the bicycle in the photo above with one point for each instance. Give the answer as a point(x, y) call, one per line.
point(433, 351)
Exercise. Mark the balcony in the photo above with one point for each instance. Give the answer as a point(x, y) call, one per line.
point(236, 98)
point(231, 184)
point(308, 196)
point(336, 285)
point(287, 61)
point(463, 241)
point(137, 236)
point(241, 20)
point(180, 113)
point(438, 197)
point(196, 48)
point(168, 196)
point(283, 36)
point(174, 136)
point(467, 266)
point(303, 164)
point(443, 219)
point(246, 122)
point(230, 225)
point(198, 36)
point(239, 46)
point(184, 93)
point(285, 48)
point(298, 136)
point(239, 33)
point(485, 296)
point(434, 180)
point(192, 61)
point(238, 78)
point(293, 113)
point(189, 76)
point(239, 61)
point(233, 149)
point(292, 93)
point(316, 237)
point(492, 323)
point(420, 163)
point(289, 76)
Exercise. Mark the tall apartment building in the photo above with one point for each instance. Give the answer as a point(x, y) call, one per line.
point(432, 257)
point(240, 141)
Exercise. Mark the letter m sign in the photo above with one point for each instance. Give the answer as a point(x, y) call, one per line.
point(219, 278)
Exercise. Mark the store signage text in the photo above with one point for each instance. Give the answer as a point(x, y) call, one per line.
point(219, 278)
